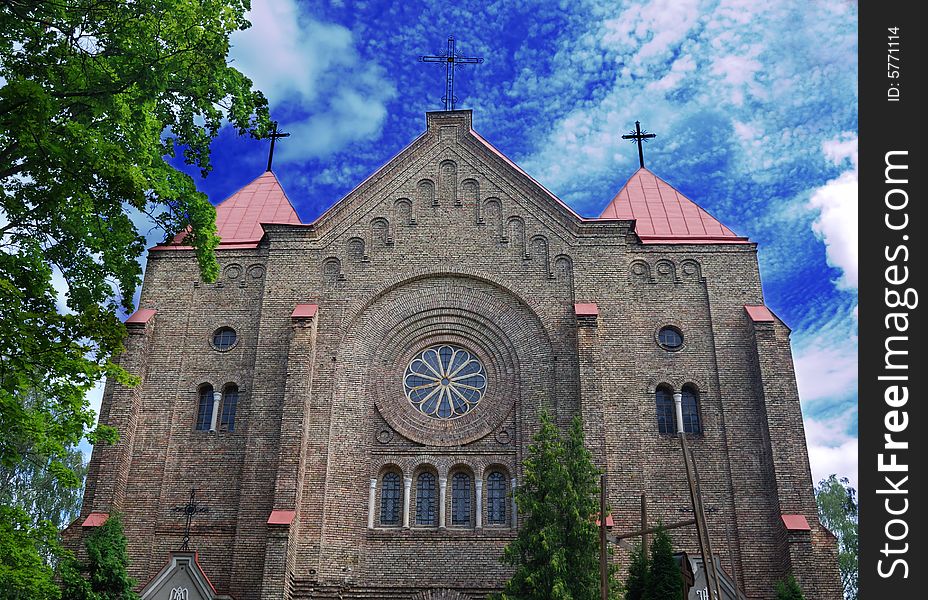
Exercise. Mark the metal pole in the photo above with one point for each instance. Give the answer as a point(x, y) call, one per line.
point(603, 565)
point(702, 532)
point(702, 509)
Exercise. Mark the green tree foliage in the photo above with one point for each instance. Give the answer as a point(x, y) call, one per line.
point(637, 582)
point(788, 589)
point(43, 493)
point(556, 552)
point(104, 576)
point(664, 579)
point(837, 510)
point(24, 572)
point(94, 94)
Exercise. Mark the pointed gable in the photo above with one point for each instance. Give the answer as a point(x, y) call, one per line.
point(182, 578)
point(665, 216)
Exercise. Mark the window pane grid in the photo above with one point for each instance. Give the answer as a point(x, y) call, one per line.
point(390, 499)
point(229, 404)
point(224, 338)
point(426, 503)
point(665, 412)
point(460, 499)
point(205, 412)
point(690, 407)
point(496, 499)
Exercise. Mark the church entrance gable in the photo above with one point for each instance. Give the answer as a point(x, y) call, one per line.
point(181, 579)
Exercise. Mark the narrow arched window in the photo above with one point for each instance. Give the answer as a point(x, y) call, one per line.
point(390, 499)
point(665, 410)
point(229, 404)
point(691, 423)
point(496, 498)
point(460, 499)
point(205, 411)
point(426, 502)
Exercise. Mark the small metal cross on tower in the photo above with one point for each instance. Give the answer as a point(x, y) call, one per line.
point(639, 136)
point(451, 59)
point(274, 135)
point(189, 510)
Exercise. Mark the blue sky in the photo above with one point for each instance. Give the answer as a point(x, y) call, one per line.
point(754, 105)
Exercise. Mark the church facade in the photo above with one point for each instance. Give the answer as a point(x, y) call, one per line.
point(353, 398)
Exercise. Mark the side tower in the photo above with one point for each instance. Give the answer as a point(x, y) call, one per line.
point(681, 311)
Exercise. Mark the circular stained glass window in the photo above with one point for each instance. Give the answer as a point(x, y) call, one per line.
point(445, 381)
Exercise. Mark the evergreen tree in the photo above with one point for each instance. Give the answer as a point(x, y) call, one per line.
point(788, 589)
point(556, 552)
point(107, 577)
point(664, 579)
point(637, 582)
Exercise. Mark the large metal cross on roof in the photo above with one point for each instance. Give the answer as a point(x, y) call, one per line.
point(451, 59)
point(639, 136)
point(274, 135)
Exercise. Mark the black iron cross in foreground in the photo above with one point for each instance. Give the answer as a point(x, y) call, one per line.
point(274, 135)
point(638, 136)
point(189, 510)
point(451, 58)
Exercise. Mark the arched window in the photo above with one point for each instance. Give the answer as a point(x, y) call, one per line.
point(390, 499)
point(426, 502)
point(690, 407)
point(229, 404)
point(205, 412)
point(665, 410)
point(460, 499)
point(496, 498)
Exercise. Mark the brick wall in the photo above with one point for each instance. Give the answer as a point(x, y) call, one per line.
point(447, 244)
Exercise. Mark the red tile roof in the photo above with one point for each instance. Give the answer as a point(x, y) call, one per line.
point(796, 523)
point(281, 517)
point(587, 309)
point(759, 313)
point(95, 519)
point(141, 316)
point(304, 311)
point(665, 216)
point(239, 217)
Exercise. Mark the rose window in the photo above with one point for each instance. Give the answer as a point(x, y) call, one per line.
point(445, 381)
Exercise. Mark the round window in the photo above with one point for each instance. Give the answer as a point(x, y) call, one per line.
point(670, 338)
point(224, 338)
point(444, 382)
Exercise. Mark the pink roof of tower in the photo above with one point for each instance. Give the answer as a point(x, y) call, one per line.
point(239, 217)
point(665, 216)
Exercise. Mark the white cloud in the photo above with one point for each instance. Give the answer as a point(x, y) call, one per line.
point(317, 85)
point(836, 203)
point(826, 359)
point(832, 449)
